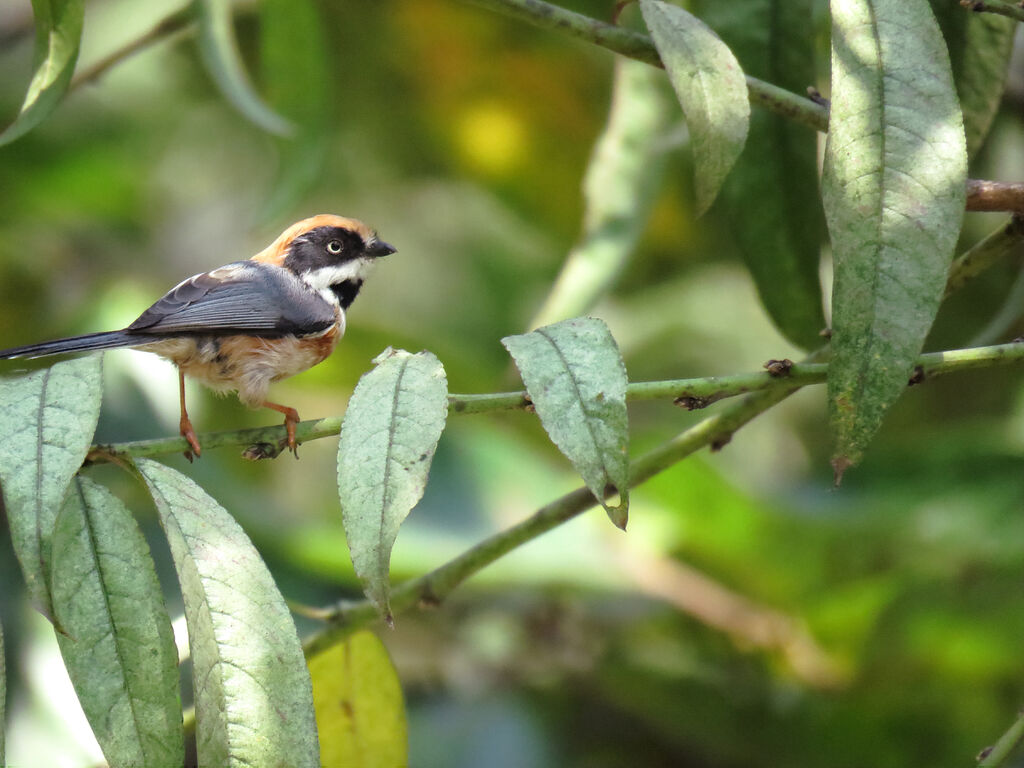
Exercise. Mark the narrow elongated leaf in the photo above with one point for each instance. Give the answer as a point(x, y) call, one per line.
point(577, 381)
point(58, 26)
point(298, 81)
point(116, 637)
point(224, 63)
point(394, 420)
point(254, 701)
point(894, 188)
point(359, 706)
point(711, 89)
point(47, 420)
point(771, 197)
point(624, 173)
point(979, 46)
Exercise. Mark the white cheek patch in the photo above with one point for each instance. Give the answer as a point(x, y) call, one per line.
point(323, 278)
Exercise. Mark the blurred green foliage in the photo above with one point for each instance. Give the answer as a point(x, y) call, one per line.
point(463, 137)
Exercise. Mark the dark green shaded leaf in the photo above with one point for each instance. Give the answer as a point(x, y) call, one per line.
point(3, 694)
point(711, 88)
point(979, 46)
point(58, 25)
point(894, 188)
point(116, 637)
point(577, 381)
point(224, 63)
point(619, 188)
point(359, 707)
point(771, 197)
point(393, 422)
point(47, 420)
point(254, 701)
point(298, 79)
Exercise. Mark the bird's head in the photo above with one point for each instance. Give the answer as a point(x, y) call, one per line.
point(329, 253)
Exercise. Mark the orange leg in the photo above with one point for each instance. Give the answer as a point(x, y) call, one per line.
point(291, 418)
point(185, 426)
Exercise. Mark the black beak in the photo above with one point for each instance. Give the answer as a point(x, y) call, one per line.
point(379, 248)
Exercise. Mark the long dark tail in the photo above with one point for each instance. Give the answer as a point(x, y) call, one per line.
point(91, 341)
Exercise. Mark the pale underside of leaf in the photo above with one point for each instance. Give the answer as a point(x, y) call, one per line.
point(47, 420)
point(391, 428)
point(116, 637)
point(711, 88)
point(253, 695)
point(58, 32)
point(894, 188)
point(576, 379)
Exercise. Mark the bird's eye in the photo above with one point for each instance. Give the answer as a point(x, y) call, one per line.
point(334, 246)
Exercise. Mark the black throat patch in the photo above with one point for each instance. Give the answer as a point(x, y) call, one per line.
point(347, 292)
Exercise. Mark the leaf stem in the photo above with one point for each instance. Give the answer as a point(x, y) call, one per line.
point(691, 393)
point(715, 431)
point(433, 587)
point(997, 754)
point(981, 195)
point(636, 45)
point(178, 22)
point(1009, 10)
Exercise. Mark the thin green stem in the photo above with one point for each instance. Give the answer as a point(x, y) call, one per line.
point(178, 22)
point(433, 587)
point(997, 246)
point(996, 755)
point(690, 393)
point(636, 45)
point(1010, 10)
point(715, 431)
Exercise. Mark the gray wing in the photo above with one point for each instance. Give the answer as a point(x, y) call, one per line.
point(246, 296)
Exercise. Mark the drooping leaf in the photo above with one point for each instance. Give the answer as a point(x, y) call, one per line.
point(359, 707)
point(711, 88)
point(47, 420)
point(625, 170)
point(298, 81)
point(979, 46)
point(577, 381)
point(771, 197)
point(116, 637)
point(224, 63)
point(58, 29)
point(894, 189)
point(254, 701)
point(393, 422)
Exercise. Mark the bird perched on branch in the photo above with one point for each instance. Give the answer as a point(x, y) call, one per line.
point(240, 327)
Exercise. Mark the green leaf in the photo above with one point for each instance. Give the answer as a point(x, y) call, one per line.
point(771, 197)
point(254, 702)
point(393, 422)
point(47, 420)
point(894, 188)
point(58, 25)
point(979, 46)
point(298, 81)
point(619, 188)
point(3, 694)
point(359, 706)
point(711, 89)
point(224, 63)
point(577, 381)
point(116, 637)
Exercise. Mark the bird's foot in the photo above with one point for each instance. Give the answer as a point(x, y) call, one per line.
point(185, 427)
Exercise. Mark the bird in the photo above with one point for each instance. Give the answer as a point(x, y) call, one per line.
point(240, 327)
